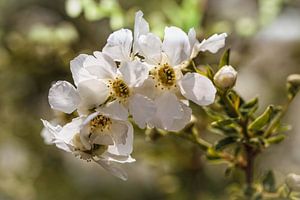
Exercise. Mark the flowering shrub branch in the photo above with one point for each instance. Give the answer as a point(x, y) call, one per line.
point(139, 78)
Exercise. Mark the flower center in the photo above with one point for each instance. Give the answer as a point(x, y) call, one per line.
point(120, 89)
point(80, 150)
point(100, 122)
point(166, 75)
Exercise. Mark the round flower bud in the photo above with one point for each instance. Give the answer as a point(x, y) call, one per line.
point(225, 78)
point(294, 79)
point(293, 182)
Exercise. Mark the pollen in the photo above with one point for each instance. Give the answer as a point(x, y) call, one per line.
point(121, 90)
point(166, 75)
point(100, 122)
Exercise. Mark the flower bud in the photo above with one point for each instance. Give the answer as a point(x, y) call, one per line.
point(294, 79)
point(293, 85)
point(293, 182)
point(225, 78)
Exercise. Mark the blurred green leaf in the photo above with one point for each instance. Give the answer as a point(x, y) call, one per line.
point(223, 143)
point(211, 154)
point(275, 139)
point(225, 58)
point(223, 122)
point(262, 120)
point(269, 10)
point(249, 107)
point(73, 8)
point(269, 183)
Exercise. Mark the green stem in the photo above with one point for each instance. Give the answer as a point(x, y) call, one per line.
point(202, 144)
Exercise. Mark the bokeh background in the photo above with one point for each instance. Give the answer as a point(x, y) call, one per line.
point(38, 38)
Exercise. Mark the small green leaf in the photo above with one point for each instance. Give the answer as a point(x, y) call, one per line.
point(223, 143)
point(269, 182)
point(209, 72)
point(249, 107)
point(282, 128)
point(228, 171)
point(211, 154)
point(223, 122)
point(205, 70)
point(262, 120)
point(275, 139)
point(225, 58)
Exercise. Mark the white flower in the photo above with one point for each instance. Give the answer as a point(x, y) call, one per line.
point(293, 182)
point(90, 92)
point(166, 60)
point(121, 46)
point(226, 77)
point(103, 136)
point(123, 82)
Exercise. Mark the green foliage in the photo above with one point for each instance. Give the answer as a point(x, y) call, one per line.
point(225, 142)
point(262, 120)
point(225, 58)
point(268, 182)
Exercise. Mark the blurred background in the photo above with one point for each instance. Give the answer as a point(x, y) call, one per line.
point(38, 38)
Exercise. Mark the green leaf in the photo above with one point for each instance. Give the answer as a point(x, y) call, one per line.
point(211, 154)
point(205, 70)
point(235, 99)
point(223, 143)
point(269, 182)
point(249, 107)
point(225, 58)
point(228, 171)
point(274, 122)
point(262, 120)
point(275, 139)
point(213, 114)
point(223, 122)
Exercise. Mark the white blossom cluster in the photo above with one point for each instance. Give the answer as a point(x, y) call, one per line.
point(136, 76)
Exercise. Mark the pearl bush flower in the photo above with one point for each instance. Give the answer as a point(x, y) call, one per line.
point(135, 76)
point(170, 88)
point(104, 137)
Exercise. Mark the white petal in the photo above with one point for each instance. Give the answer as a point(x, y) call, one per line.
point(93, 93)
point(65, 136)
point(102, 139)
point(63, 97)
point(78, 72)
point(115, 158)
point(147, 89)
point(114, 110)
point(150, 47)
point(123, 136)
point(197, 88)
point(176, 45)
point(49, 132)
point(193, 43)
point(134, 73)
point(53, 136)
point(168, 108)
point(119, 45)
point(114, 170)
point(141, 27)
point(179, 124)
point(142, 109)
point(101, 66)
point(213, 43)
